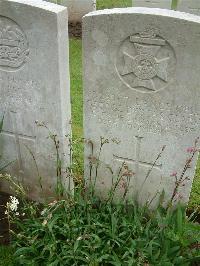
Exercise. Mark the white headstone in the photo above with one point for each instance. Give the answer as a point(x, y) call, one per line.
point(76, 8)
point(141, 91)
point(152, 3)
point(189, 6)
point(34, 86)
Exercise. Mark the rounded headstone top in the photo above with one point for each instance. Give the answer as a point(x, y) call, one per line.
point(145, 11)
point(41, 4)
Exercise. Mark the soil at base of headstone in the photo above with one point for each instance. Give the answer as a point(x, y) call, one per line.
point(4, 235)
point(75, 30)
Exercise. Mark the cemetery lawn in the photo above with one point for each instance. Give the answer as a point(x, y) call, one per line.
point(195, 195)
point(103, 4)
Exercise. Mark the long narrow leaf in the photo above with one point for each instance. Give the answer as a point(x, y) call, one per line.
point(1, 124)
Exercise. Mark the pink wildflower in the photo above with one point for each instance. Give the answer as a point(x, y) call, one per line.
point(179, 196)
point(191, 149)
point(174, 174)
point(123, 183)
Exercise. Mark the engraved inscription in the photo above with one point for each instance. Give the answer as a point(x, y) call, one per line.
point(145, 62)
point(19, 93)
point(13, 45)
point(14, 133)
point(140, 114)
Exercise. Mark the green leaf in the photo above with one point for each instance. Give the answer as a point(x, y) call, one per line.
point(76, 244)
point(179, 220)
point(1, 124)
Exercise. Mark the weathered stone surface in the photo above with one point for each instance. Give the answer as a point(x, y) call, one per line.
point(34, 86)
point(189, 6)
point(77, 8)
point(152, 3)
point(141, 90)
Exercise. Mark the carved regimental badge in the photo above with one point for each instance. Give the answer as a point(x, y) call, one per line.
point(13, 45)
point(146, 62)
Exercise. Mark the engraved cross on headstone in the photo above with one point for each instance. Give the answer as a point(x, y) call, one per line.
point(137, 161)
point(17, 136)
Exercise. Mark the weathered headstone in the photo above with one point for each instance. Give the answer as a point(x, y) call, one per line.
point(141, 91)
point(34, 86)
point(152, 3)
point(189, 6)
point(76, 8)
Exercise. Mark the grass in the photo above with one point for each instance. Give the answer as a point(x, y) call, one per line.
point(77, 99)
point(5, 256)
point(102, 4)
point(195, 194)
point(76, 86)
point(82, 230)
